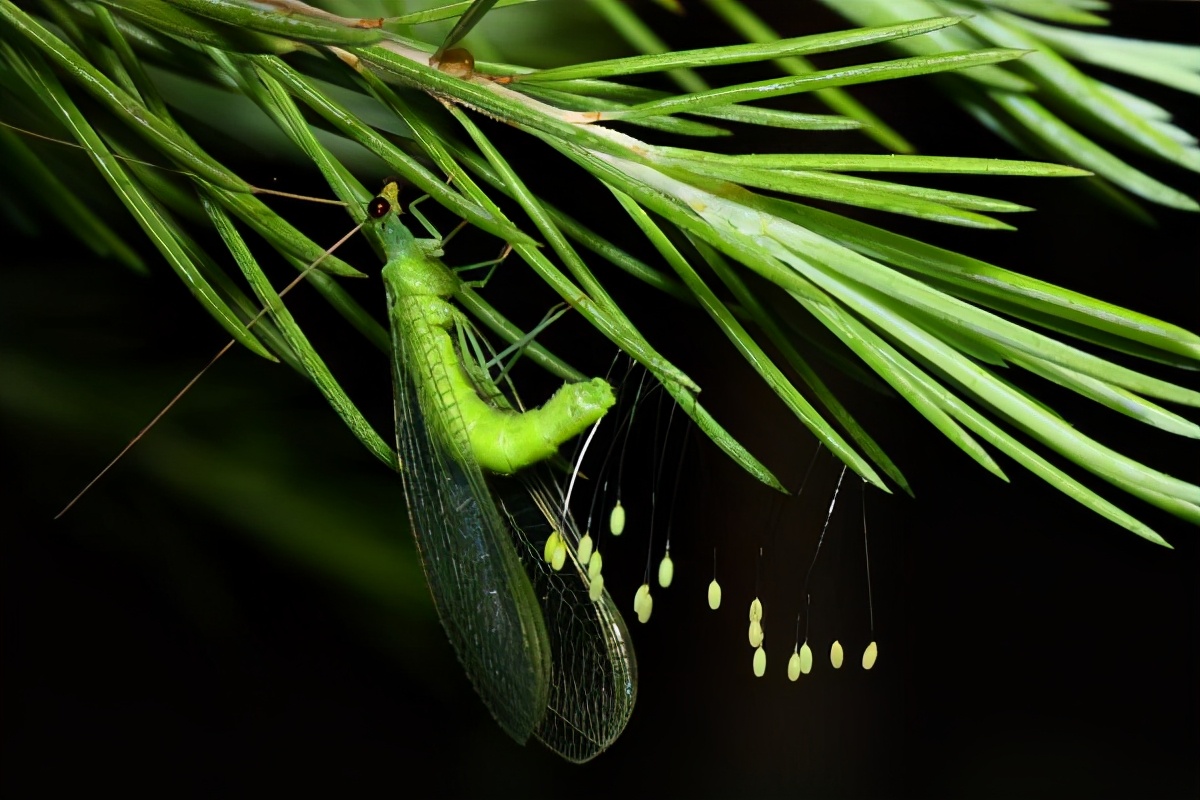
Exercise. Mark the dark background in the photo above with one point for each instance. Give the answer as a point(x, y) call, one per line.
point(278, 637)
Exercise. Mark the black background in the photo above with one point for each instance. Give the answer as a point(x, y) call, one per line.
point(1027, 647)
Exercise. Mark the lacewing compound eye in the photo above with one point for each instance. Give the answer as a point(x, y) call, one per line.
point(378, 208)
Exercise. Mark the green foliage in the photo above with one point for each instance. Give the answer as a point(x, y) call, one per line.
point(1046, 106)
point(121, 78)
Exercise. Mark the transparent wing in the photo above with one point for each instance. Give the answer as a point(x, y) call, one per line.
point(484, 598)
point(594, 684)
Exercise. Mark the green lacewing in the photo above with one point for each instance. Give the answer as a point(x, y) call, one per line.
point(547, 659)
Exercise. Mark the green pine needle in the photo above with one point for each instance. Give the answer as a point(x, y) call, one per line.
point(735, 232)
